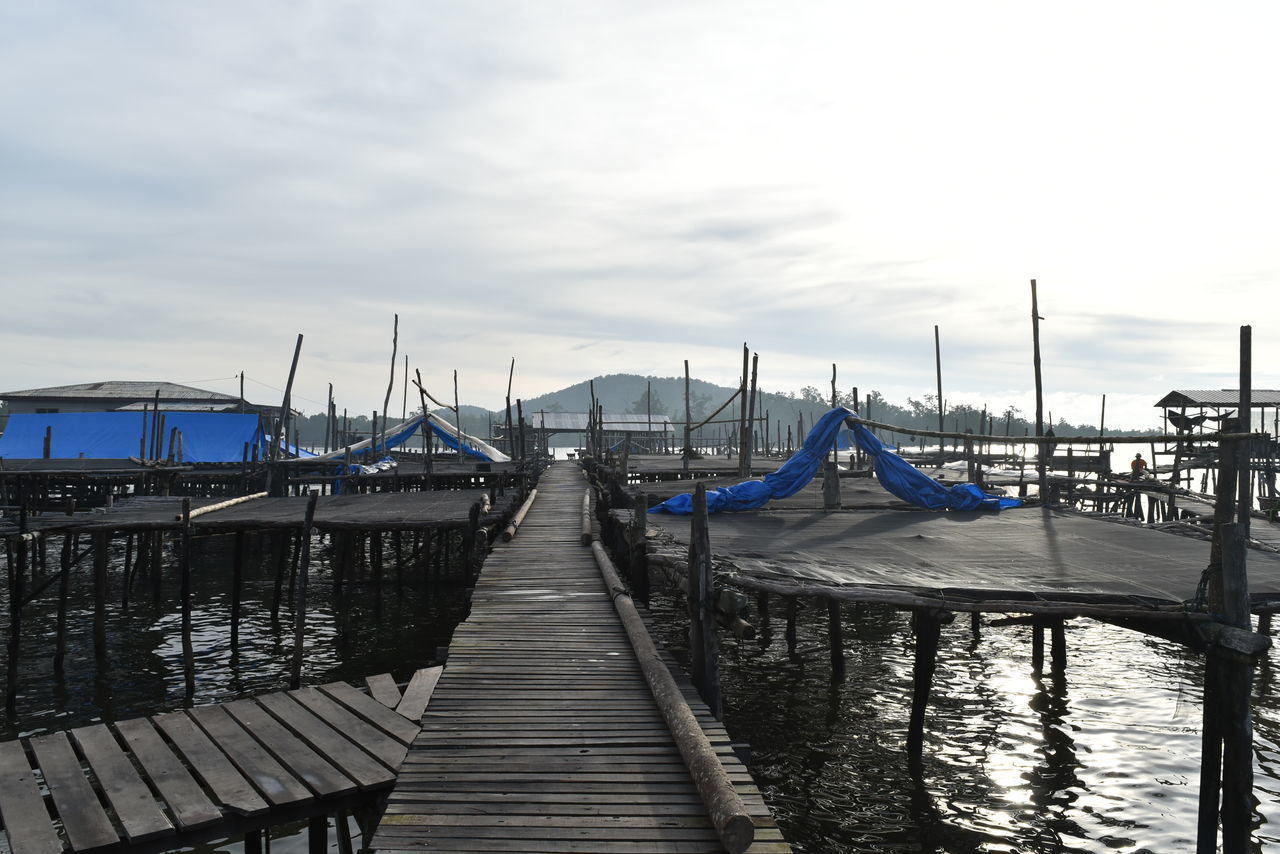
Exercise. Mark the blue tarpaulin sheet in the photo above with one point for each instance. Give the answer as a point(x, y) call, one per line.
point(452, 441)
point(895, 474)
point(207, 437)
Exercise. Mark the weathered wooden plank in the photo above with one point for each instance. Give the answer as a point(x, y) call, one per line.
point(297, 758)
point(211, 765)
point(383, 747)
point(268, 776)
point(187, 802)
point(418, 693)
point(127, 794)
point(372, 711)
point(85, 822)
point(330, 743)
point(383, 688)
point(21, 805)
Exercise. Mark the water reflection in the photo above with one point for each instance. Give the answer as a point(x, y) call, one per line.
point(1103, 756)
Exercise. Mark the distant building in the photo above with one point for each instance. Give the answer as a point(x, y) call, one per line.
point(125, 396)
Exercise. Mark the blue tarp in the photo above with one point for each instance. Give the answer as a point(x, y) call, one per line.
point(910, 484)
point(895, 474)
point(452, 441)
point(207, 437)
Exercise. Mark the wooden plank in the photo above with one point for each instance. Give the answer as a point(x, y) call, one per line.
point(211, 765)
point(187, 802)
point(128, 796)
point(383, 747)
point(303, 762)
point(418, 693)
point(330, 743)
point(383, 689)
point(22, 806)
point(372, 711)
point(268, 776)
point(83, 818)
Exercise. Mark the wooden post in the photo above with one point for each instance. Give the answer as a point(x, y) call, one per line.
point(937, 360)
point(511, 436)
point(17, 557)
point(101, 544)
point(926, 625)
point(830, 486)
point(184, 570)
point(835, 636)
point(688, 421)
point(743, 425)
point(286, 405)
point(792, 609)
point(64, 588)
point(237, 591)
point(300, 598)
point(1058, 646)
point(1037, 648)
point(391, 383)
point(703, 643)
point(1041, 475)
point(749, 447)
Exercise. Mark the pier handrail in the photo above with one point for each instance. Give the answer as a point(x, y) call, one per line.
point(1059, 440)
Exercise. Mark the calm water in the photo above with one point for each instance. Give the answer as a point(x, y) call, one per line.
point(1103, 760)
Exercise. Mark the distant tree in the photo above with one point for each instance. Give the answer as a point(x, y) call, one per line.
point(648, 402)
point(809, 394)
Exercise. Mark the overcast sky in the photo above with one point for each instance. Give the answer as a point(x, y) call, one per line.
point(601, 187)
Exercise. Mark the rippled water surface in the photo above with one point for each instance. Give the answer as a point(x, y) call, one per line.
point(1103, 758)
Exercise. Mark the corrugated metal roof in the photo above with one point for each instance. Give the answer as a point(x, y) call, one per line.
point(181, 407)
point(1218, 397)
point(130, 390)
point(576, 422)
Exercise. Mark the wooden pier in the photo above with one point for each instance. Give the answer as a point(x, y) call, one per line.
point(542, 734)
point(182, 778)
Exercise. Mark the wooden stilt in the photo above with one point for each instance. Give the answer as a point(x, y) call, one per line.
point(64, 589)
point(791, 625)
point(1058, 646)
point(300, 601)
point(703, 643)
point(237, 590)
point(101, 556)
point(1037, 649)
point(318, 835)
point(926, 625)
point(184, 572)
point(835, 636)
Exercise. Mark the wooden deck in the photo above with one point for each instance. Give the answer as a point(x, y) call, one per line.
point(177, 779)
point(542, 735)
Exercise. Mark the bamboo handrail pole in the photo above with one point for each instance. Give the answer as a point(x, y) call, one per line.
point(1057, 440)
point(519, 517)
point(222, 505)
point(586, 517)
point(704, 422)
point(724, 806)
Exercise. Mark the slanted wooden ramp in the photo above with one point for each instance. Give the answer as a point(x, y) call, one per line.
point(174, 780)
point(542, 734)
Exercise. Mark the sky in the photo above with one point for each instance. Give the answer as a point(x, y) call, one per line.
point(604, 187)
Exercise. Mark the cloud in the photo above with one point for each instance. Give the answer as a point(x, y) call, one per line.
point(600, 187)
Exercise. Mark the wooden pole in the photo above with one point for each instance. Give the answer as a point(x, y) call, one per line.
point(101, 544)
point(287, 404)
point(391, 383)
point(688, 421)
point(1041, 475)
point(184, 571)
point(749, 448)
point(300, 593)
point(723, 805)
point(743, 424)
point(926, 625)
point(835, 637)
point(703, 643)
point(937, 360)
point(64, 588)
point(237, 590)
point(511, 437)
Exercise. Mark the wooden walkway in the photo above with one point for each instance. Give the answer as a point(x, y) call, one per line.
point(542, 734)
point(177, 779)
